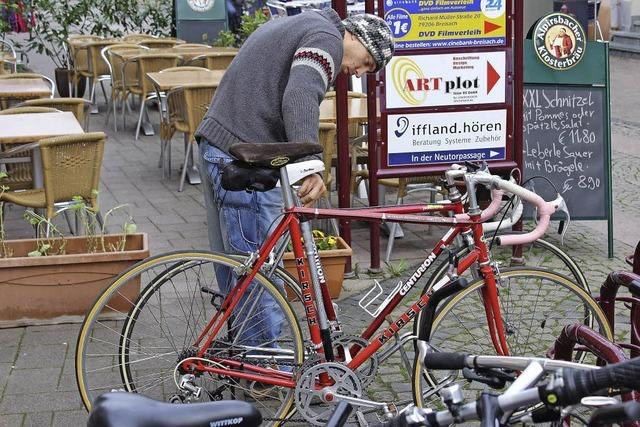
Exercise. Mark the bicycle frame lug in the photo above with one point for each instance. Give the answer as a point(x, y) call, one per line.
point(268, 265)
point(246, 266)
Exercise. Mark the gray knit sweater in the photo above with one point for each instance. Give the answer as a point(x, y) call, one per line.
point(272, 90)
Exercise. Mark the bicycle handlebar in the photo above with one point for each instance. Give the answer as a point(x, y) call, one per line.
point(578, 381)
point(545, 209)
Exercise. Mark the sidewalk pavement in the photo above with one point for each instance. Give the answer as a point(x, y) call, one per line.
point(37, 382)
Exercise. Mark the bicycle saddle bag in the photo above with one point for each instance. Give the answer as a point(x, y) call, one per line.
point(120, 409)
point(238, 176)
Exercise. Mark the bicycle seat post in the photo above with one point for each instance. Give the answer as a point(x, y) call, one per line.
point(287, 197)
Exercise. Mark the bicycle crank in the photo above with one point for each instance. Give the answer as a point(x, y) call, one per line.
point(368, 370)
point(317, 388)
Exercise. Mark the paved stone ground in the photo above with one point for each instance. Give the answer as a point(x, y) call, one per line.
point(37, 383)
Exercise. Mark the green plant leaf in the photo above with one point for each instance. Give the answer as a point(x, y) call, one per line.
point(34, 253)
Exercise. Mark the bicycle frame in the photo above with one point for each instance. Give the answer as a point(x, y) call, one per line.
point(292, 220)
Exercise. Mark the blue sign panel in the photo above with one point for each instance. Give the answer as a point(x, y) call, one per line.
point(458, 156)
point(418, 24)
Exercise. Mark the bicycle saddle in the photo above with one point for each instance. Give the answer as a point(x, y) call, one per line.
point(273, 155)
point(120, 409)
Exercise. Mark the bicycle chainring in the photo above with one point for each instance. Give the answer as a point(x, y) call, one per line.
point(368, 370)
point(315, 401)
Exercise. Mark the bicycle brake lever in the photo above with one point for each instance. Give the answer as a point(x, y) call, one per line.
point(564, 224)
point(493, 378)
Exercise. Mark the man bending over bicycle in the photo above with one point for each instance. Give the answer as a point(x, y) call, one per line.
point(270, 93)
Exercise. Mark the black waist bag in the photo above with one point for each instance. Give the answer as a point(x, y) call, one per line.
point(238, 176)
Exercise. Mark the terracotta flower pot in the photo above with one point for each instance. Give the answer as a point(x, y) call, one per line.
point(333, 263)
point(61, 288)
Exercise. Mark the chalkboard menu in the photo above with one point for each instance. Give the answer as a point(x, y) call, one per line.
point(564, 140)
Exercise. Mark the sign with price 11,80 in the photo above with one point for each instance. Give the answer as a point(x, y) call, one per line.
point(418, 24)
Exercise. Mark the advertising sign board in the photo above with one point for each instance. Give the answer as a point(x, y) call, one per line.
point(451, 137)
point(446, 79)
point(418, 24)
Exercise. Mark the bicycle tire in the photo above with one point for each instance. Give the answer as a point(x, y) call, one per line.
point(467, 305)
point(107, 340)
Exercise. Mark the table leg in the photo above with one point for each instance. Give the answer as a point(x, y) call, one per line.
point(36, 168)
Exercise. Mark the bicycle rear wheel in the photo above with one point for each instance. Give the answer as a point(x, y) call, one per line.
point(535, 304)
point(147, 321)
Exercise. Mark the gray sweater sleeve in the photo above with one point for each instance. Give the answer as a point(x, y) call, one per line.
point(314, 68)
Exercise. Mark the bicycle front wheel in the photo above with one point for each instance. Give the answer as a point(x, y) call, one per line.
point(535, 305)
point(148, 320)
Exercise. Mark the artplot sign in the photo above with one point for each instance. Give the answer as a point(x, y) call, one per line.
point(448, 79)
point(431, 138)
point(559, 41)
point(418, 24)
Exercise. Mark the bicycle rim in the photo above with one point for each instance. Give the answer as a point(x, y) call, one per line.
point(146, 321)
point(535, 303)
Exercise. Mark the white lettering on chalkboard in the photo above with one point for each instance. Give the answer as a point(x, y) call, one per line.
point(563, 140)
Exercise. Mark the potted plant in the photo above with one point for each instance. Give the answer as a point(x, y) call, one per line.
point(334, 252)
point(248, 24)
point(53, 278)
point(54, 22)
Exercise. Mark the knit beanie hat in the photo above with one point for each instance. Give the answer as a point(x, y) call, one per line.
point(374, 33)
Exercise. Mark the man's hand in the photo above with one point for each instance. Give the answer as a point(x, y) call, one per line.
point(311, 190)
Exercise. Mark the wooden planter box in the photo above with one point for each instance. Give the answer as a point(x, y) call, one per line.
point(333, 263)
point(61, 288)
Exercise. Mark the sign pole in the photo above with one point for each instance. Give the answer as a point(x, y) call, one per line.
point(374, 154)
point(344, 166)
point(607, 136)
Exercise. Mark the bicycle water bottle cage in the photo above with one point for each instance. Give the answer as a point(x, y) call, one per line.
point(377, 290)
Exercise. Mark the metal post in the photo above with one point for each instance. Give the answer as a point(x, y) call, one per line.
point(344, 166)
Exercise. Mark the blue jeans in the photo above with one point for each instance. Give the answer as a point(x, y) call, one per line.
point(239, 222)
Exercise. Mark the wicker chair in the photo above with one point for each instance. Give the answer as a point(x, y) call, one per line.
point(16, 158)
point(71, 167)
point(214, 60)
point(147, 63)
point(327, 138)
point(136, 38)
point(78, 52)
point(404, 187)
point(187, 106)
point(78, 106)
point(98, 71)
point(192, 46)
point(160, 43)
point(8, 56)
point(118, 90)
